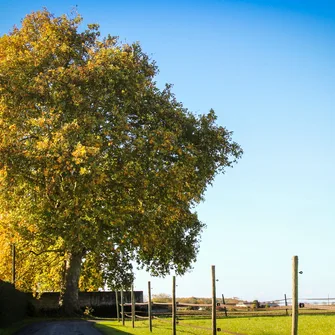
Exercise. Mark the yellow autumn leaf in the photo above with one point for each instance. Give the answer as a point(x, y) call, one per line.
point(83, 171)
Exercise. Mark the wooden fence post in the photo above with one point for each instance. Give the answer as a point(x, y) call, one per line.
point(122, 307)
point(224, 308)
point(174, 331)
point(286, 303)
point(213, 301)
point(132, 306)
point(117, 306)
point(294, 295)
point(149, 306)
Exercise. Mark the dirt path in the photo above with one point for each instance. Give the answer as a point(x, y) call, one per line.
point(60, 328)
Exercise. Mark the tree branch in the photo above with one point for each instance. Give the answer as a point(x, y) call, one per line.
point(43, 252)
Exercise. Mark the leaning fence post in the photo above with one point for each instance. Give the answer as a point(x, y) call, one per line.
point(225, 307)
point(286, 303)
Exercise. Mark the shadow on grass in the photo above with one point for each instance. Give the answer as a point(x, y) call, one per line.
point(163, 329)
point(109, 330)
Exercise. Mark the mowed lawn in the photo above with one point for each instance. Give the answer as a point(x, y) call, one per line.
point(279, 325)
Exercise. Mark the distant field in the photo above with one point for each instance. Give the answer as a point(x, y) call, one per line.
point(276, 325)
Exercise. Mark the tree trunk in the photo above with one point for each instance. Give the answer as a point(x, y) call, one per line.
point(69, 301)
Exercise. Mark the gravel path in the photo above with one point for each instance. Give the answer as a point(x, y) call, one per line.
point(60, 328)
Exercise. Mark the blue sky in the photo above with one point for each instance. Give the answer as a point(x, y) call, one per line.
point(267, 69)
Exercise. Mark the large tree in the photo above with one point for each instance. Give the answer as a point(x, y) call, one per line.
point(96, 162)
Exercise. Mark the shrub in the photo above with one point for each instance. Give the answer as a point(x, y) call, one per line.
point(88, 311)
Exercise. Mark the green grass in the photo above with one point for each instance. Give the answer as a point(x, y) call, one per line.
point(279, 325)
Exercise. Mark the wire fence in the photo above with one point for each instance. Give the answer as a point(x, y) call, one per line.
point(180, 314)
point(161, 312)
point(182, 324)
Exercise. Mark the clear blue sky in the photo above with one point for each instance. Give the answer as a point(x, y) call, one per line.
point(268, 70)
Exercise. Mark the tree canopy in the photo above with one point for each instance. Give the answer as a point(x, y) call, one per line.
point(97, 164)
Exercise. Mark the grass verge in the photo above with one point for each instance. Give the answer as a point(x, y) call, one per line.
point(279, 325)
